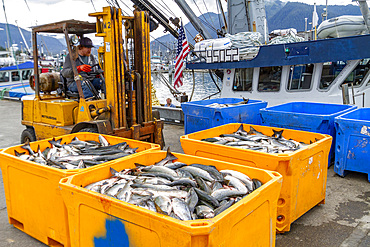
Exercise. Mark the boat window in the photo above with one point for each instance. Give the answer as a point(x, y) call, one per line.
point(357, 75)
point(26, 74)
point(300, 77)
point(243, 79)
point(15, 76)
point(4, 76)
point(269, 79)
point(329, 72)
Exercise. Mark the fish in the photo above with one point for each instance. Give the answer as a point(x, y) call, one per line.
point(184, 191)
point(160, 169)
point(175, 165)
point(77, 154)
point(192, 199)
point(163, 204)
point(103, 141)
point(212, 170)
point(195, 171)
point(204, 212)
point(237, 184)
point(183, 182)
point(222, 194)
point(224, 206)
point(181, 209)
point(208, 198)
point(218, 105)
point(257, 141)
point(169, 157)
point(241, 176)
point(203, 185)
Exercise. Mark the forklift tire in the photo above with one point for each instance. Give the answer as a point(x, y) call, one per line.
point(28, 135)
point(91, 130)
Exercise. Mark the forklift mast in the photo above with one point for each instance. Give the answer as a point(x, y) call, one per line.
point(126, 64)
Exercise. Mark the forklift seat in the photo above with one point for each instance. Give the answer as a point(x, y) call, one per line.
point(63, 89)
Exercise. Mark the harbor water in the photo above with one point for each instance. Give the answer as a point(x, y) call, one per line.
point(204, 86)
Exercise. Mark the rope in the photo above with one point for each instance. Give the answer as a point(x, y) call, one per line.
point(2, 92)
point(192, 91)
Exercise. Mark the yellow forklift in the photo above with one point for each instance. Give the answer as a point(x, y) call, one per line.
point(124, 110)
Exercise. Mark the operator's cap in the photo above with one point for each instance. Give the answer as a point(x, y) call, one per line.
point(86, 42)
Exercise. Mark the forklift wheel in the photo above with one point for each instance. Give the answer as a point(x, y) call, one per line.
point(28, 135)
point(91, 130)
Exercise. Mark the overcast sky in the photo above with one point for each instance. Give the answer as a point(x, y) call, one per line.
point(48, 11)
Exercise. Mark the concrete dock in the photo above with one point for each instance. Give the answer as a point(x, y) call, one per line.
point(344, 220)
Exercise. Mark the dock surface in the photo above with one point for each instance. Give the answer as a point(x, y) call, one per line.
point(344, 220)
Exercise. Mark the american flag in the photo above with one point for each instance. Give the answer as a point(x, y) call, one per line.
point(182, 52)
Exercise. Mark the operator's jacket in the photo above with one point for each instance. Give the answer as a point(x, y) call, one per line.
point(67, 71)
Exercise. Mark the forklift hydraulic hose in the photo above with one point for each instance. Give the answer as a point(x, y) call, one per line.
point(99, 111)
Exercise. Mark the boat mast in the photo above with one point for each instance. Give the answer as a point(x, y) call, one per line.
point(223, 14)
point(193, 19)
point(24, 40)
point(365, 13)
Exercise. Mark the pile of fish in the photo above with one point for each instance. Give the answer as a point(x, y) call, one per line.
point(218, 105)
point(77, 154)
point(254, 140)
point(185, 192)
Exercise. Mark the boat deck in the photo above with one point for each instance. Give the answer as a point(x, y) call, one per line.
point(15, 90)
point(343, 221)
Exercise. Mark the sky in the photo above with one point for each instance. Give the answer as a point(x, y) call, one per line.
point(48, 11)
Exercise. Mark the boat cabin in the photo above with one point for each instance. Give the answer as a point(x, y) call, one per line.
point(304, 71)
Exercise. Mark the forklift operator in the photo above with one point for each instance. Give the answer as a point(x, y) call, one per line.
point(85, 63)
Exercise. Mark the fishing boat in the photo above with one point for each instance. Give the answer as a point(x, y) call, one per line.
point(335, 70)
point(14, 80)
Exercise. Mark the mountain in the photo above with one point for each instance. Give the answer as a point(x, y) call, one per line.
point(53, 45)
point(292, 14)
point(273, 6)
point(280, 15)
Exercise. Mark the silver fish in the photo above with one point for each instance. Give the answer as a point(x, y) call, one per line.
point(163, 204)
point(181, 209)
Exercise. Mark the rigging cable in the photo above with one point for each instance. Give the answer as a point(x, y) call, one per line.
point(126, 7)
point(27, 5)
point(117, 4)
point(218, 14)
point(10, 42)
point(91, 3)
point(203, 16)
point(208, 25)
point(208, 13)
point(160, 42)
point(110, 3)
point(168, 8)
point(164, 13)
point(187, 31)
